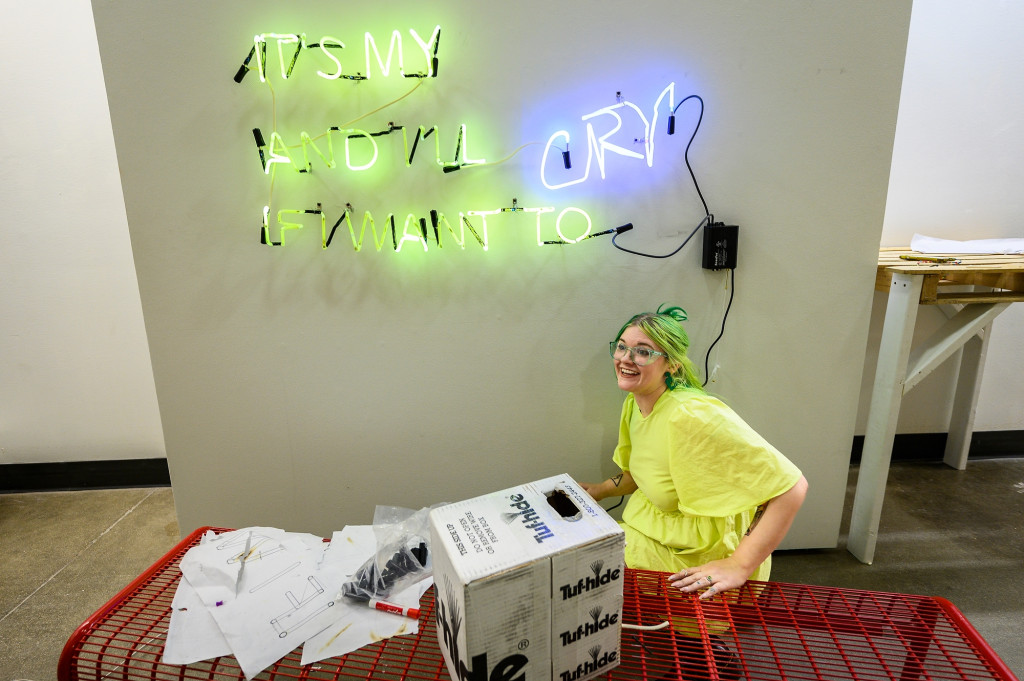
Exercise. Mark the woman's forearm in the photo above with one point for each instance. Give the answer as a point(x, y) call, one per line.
point(767, 532)
point(615, 486)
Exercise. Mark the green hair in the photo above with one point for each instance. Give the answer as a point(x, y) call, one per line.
point(665, 329)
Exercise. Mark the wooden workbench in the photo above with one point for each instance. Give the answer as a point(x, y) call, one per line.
point(1002, 272)
point(974, 290)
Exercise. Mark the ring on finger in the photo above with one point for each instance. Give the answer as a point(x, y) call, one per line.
point(709, 579)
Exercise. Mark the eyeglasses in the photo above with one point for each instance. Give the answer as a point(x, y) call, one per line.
point(640, 356)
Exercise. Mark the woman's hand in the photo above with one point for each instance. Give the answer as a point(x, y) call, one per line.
point(713, 578)
point(593, 489)
point(762, 537)
point(615, 486)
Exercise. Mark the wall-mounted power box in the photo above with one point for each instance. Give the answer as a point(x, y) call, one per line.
point(720, 243)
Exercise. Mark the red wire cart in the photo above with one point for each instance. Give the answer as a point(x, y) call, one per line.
point(766, 630)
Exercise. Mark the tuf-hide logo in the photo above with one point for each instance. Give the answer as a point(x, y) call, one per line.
point(596, 663)
point(597, 624)
point(584, 585)
point(529, 517)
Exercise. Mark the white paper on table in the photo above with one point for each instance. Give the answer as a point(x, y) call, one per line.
point(359, 625)
point(214, 567)
point(278, 598)
point(283, 599)
point(258, 593)
point(1007, 246)
point(192, 634)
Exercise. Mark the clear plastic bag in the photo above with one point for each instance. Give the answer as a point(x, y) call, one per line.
point(402, 557)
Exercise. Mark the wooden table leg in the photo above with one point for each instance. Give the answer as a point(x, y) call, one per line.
point(886, 394)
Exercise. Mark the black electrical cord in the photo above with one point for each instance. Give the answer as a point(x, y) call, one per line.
point(621, 499)
point(686, 152)
point(707, 357)
point(708, 218)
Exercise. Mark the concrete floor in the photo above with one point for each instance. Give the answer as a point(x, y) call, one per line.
point(955, 534)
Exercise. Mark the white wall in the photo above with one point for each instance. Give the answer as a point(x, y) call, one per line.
point(956, 174)
point(75, 379)
point(76, 382)
point(299, 386)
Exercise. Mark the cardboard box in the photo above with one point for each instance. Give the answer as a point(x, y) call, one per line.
point(528, 584)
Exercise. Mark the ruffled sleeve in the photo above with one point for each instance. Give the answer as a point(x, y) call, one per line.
point(719, 465)
point(625, 447)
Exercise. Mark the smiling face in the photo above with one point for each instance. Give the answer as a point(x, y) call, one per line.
point(647, 383)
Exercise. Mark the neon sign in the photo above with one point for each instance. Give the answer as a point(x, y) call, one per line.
point(415, 228)
point(598, 146)
point(359, 149)
point(291, 45)
point(277, 150)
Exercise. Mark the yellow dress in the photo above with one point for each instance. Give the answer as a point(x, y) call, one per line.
point(701, 473)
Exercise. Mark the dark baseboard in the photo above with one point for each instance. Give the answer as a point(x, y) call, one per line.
point(78, 475)
point(992, 444)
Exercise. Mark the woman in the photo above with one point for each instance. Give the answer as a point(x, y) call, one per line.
point(711, 499)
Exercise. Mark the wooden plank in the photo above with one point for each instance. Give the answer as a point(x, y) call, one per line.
point(1002, 272)
point(930, 289)
point(962, 266)
point(1010, 281)
point(968, 298)
point(890, 257)
point(883, 279)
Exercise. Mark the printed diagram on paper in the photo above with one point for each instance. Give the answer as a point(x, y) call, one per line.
point(305, 597)
point(260, 592)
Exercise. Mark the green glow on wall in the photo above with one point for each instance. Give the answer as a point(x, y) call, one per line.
point(371, 46)
point(561, 234)
point(291, 45)
point(418, 234)
point(308, 142)
point(260, 41)
point(330, 41)
point(348, 149)
point(603, 128)
point(357, 243)
point(462, 146)
point(273, 157)
point(277, 151)
point(428, 233)
point(414, 228)
point(285, 225)
point(395, 45)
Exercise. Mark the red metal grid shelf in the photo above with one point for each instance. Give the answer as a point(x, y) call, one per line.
point(771, 630)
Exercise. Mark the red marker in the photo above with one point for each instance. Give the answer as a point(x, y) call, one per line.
point(414, 613)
